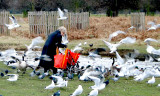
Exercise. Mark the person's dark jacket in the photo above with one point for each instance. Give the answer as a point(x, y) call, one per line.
point(53, 41)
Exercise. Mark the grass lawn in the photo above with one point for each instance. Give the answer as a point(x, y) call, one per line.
point(18, 43)
point(32, 86)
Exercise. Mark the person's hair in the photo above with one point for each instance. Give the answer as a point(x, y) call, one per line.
point(62, 29)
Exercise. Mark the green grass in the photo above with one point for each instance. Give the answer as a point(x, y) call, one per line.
point(18, 43)
point(32, 86)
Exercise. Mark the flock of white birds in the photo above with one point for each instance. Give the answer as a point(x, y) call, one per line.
point(88, 69)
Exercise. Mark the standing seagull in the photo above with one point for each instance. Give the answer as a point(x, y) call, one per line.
point(94, 92)
point(14, 23)
point(78, 91)
point(151, 81)
point(61, 14)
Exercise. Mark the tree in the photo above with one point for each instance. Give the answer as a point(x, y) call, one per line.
point(4, 4)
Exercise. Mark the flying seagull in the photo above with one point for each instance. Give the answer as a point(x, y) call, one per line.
point(114, 34)
point(14, 23)
point(62, 14)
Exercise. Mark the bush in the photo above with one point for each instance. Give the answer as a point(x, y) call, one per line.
point(25, 13)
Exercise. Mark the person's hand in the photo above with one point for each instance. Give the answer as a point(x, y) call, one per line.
point(65, 46)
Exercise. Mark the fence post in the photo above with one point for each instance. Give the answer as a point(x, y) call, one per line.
point(4, 19)
point(138, 20)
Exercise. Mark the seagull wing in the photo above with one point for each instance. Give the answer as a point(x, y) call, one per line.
point(115, 34)
point(59, 79)
point(35, 42)
point(128, 40)
point(95, 79)
point(11, 19)
point(60, 12)
point(119, 59)
point(14, 19)
point(51, 86)
point(65, 10)
point(109, 45)
point(157, 26)
point(150, 39)
point(151, 23)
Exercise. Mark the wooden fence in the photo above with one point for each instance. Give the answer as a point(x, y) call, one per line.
point(4, 19)
point(43, 22)
point(138, 20)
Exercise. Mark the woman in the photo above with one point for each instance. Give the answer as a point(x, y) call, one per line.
point(53, 41)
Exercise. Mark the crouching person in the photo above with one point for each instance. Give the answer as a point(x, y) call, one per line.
point(52, 43)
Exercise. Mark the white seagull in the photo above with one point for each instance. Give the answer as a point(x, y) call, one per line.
point(132, 27)
point(78, 91)
point(112, 47)
point(51, 86)
point(148, 40)
point(12, 77)
point(14, 23)
point(151, 81)
point(115, 34)
point(36, 41)
point(62, 14)
point(94, 92)
point(128, 40)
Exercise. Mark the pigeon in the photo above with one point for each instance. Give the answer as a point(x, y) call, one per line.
point(2, 74)
point(6, 71)
point(94, 92)
point(78, 91)
point(14, 23)
point(56, 93)
point(62, 14)
point(12, 77)
point(91, 45)
point(70, 75)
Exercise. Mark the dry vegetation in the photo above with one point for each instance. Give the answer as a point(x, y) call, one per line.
point(100, 27)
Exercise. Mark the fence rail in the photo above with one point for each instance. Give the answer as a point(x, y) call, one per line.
point(4, 19)
point(43, 22)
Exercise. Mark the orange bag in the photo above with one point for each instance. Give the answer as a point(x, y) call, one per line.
point(60, 60)
point(72, 57)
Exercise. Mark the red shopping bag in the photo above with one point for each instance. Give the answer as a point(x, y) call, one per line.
point(60, 60)
point(72, 57)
